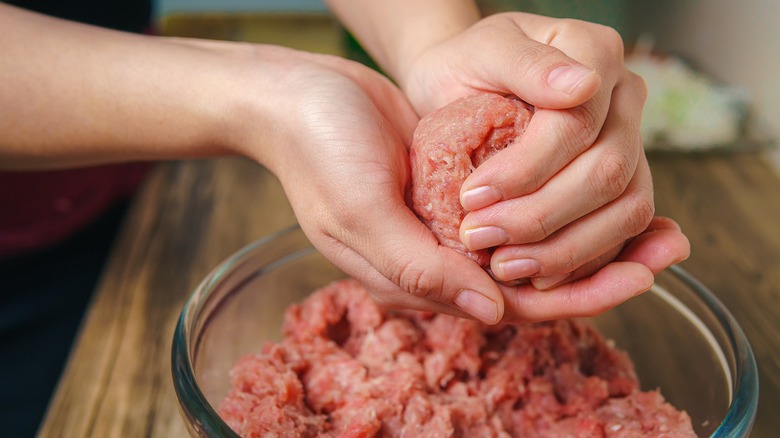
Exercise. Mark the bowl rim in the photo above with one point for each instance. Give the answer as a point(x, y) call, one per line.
point(744, 401)
point(204, 419)
point(192, 402)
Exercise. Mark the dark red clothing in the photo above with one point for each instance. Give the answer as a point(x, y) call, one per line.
point(43, 208)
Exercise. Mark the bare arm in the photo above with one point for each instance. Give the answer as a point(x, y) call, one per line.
point(73, 94)
point(396, 32)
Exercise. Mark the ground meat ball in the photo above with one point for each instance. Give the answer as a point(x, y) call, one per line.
point(448, 145)
point(347, 369)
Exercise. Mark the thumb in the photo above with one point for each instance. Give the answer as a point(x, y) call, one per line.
point(538, 73)
point(545, 77)
point(425, 275)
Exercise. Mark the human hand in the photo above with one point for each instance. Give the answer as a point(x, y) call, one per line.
point(604, 282)
point(341, 155)
point(561, 202)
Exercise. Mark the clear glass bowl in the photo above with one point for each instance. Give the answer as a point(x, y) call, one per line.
point(680, 337)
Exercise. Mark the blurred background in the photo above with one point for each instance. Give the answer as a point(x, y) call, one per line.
point(732, 44)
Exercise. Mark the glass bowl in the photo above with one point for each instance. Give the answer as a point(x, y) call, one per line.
point(680, 337)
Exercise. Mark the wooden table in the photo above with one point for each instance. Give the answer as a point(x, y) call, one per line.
point(191, 215)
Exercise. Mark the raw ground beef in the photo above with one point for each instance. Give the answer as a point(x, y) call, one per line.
point(345, 368)
point(448, 145)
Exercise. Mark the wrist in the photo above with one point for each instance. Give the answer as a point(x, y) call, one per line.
point(424, 35)
point(239, 95)
point(262, 90)
point(397, 33)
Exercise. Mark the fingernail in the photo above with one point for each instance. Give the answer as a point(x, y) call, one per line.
point(519, 268)
point(568, 77)
point(543, 283)
point(484, 237)
point(480, 197)
point(478, 306)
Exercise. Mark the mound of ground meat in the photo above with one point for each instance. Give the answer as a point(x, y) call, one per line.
point(447, 146)
point(345, 368)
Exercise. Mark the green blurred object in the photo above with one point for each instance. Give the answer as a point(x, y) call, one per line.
point(354, 51)
point(611, 13)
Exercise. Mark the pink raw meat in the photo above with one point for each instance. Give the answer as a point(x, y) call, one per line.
point(448, 145)
point(347, 369)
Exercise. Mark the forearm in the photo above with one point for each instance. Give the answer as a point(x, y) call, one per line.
point(72, 95)
point(396, 32)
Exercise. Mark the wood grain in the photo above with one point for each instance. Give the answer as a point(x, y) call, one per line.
point(729, 207)
point(189, 217)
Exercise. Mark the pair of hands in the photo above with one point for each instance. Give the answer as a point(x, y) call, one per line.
point(570, 205)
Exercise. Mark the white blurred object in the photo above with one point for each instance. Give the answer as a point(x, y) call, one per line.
point(684, 108)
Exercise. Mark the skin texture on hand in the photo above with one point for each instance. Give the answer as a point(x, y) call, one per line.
point(565, 202)
point(344, 167)
point(355, 212)
point(576, 185)
point(336, 134)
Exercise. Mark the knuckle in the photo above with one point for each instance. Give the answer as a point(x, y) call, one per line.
point(570, 261)
point(532, 180)
point(638, 84)
point(571, 25)
point(582, 127)
point(417, 281)
point(612, 175)
point(521, 178)
point(538, 227)
point(612, 42)
point(564, 27)
point(641, 212)
point(533, 59)
point(638, 212)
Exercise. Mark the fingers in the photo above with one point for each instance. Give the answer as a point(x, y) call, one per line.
point(414, 270)
point(549, 62)
point(660, 246)
point(590, 296)
point(552, 139)
point(556, 134)
point(424, 269)
point(538, 72)
point(612, 170)
point(582, 241)
point(584, 270)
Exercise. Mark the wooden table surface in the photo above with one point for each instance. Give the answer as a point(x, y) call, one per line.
point(191, 215)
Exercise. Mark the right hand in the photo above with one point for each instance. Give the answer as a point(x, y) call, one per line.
point(561, 202)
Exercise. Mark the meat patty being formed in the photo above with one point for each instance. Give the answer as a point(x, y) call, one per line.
point(448, 145)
